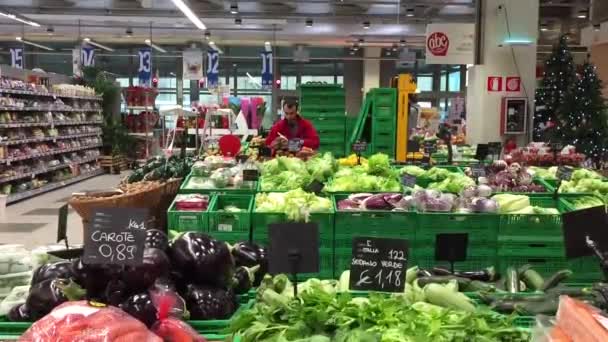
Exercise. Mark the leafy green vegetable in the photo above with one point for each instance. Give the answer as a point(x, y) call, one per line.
point(592, 185)
point(379, 165)
point(322, 167)
point(413, 170)
point(453, 183)
point(296, 204)
point(587, 202)
point(321, 314)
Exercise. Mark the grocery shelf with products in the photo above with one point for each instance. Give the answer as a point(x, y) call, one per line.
point(49, 136)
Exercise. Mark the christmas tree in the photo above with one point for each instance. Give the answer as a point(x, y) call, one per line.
point(558, 78)
point(583, 120)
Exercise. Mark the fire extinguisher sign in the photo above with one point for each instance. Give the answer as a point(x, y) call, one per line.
point(494, 83)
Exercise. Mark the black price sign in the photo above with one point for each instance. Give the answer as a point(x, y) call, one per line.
point(478, 170)
point(564, 173)
point(482, 152)
point(315, 186)
point(62, 223)
point(294, 248)
point(116, 236)
point(265, 151)
point(579, 225)
point(451, 247)
point(495, 147)
point(294, 145)
point(378, 264)
point(430, 147)
point(251, 175)
point(359, 146)
point(413, 146)
point(408, 181)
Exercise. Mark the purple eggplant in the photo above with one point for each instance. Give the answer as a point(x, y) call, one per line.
point(245, 253)
point(376, 202)
point(155, 264)
point(140, 306)
point(244, 278)
point(156, 239)
point(207, 303)
point(48, 294)
point(19, 313)
point(60, 269)
point(202, 259)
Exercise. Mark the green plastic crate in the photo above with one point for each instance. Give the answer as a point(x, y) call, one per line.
point(230, 237)
point(221, 221)
point(183, 189)
point(532, 224)
point(183, 221)
point(482, 228)
point(261, 220)
point(531, 246)
point(470, 264)
point(585, 269)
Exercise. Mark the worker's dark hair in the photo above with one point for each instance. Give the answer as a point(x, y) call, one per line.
point(290, 103)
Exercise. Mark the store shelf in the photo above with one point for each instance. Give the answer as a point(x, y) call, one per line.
point(50, 153)
point(52, 186)
point(143, 135)
point(44, 124)
point(48, 169)
point(220, 131)
point(36, 109)
point(146, 108)
point(59, 137)
point(33, 93)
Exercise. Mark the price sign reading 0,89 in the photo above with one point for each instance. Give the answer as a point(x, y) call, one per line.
point(116, 236)
point(378, 264)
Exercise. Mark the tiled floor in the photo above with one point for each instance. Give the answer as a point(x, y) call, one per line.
point(33, 222)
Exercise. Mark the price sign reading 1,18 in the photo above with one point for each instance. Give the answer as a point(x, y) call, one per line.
point(378, 264)
point(116, 236)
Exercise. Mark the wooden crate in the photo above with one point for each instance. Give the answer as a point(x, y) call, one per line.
point(113, 164)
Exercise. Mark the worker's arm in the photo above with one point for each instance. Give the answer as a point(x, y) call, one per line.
point(310, 136)
point(271, 139)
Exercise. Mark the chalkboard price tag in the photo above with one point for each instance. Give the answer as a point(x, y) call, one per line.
point(451, 247)
point(425, 161)
point(62, 223)
point(478, 170)
point(430, 147)
point(481, 152)
point(315, 186)
point(578, 225)
point(408, 181)
point(265, 151)
point(359, 146)
point(294, 145)
point(251, 175)
point(241, 158)
point(378, 264)
point(116, 236)
point(413, 146)
point(495, 147)
point(289, 241)
point(564, 173)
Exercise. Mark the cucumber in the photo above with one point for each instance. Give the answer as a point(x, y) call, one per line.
point(569, 291)
point(477, 285)
point(504, 306)
point(511, 280)
point(547, 307)
point(532, 279)
point(462, 282)
point(555, 279)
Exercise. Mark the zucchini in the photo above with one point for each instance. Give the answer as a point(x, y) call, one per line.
point(423, 273)
point(441, 295)
point(487, 274)
point(530, 308)
point(462, 282)
point(411, 274)
point(441, 271)
point(531, 278)
point(477, 285)
point(505, 306)
point(511, 280)
point(569, 291)
point(555, 279)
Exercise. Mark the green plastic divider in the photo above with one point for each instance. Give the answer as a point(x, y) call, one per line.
point(185, 188)
point(223, 221)
point(182, 221)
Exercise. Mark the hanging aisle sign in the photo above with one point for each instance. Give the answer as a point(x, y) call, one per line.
point(450, 43)
point(145, 66)
point(267, 78)
point(213, 66)
point(17, 57)
point(87, 56)
point(192, 64)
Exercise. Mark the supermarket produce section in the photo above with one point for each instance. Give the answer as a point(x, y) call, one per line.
point(206, 277)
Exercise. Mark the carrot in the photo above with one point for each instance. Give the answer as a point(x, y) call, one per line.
point(558, 335)
point(577, 320)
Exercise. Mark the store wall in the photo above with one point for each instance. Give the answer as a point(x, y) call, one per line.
point(388, 70)
point(371, 68)
point(599, 56)
point(353, 86)
point(518, 20)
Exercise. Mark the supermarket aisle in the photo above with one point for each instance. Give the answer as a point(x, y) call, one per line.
point(33, 222)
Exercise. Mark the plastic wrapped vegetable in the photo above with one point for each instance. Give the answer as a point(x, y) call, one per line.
point(85, 321)
point(221, 177)
point(14, 259)
point(170, 328)
point(15, 298)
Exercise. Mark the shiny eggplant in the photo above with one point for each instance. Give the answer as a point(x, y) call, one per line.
point(207, 303)
point(60, 269)
point(19, 313)
point(244, 278)
point(156, 239)
point(140, 306)
point(48, 294)
point(155, 264)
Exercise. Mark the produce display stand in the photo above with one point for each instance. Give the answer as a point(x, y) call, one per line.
point(231, 226)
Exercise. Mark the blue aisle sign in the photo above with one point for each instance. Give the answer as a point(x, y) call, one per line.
point(87, 56)
point(266, 69)
point(17, 58)
point(145, 66)
point(213, 65)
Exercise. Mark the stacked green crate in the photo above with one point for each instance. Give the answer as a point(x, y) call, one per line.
point(482, 230)
point(325, 221)
point(184, 220)
point(230, 217)
point(537, 240)
point(324, 105)
point(382, 224)
point(384, 119)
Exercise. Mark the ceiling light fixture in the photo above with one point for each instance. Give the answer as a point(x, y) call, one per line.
point(597, 27)
point(238, 21)
point(582, 14)
point(388, 53)
point(402, 42)
point(409, 12)
point(19, 18)
point(395, 47)
point(50, 30)
point(267, 46)
point(101, 46)
point(366, 25)
point(156, 47)
point(234, 8)
point(19, 39)
point(129, 32)
point(356, 46)
point(309, 22)
point(189, 14)
point(543, 27)
point(207, 35)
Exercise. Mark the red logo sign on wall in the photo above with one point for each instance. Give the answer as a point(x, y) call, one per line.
point(513, 84)
point(438, 44)
point(494, 83)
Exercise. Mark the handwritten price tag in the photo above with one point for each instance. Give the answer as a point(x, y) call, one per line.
point(378, 264)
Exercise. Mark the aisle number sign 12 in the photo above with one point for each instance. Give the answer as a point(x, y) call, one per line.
point(145, 66)
point(213, 65)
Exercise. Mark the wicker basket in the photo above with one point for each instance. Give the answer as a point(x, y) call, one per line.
point(149, 197)
point(169, 193)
